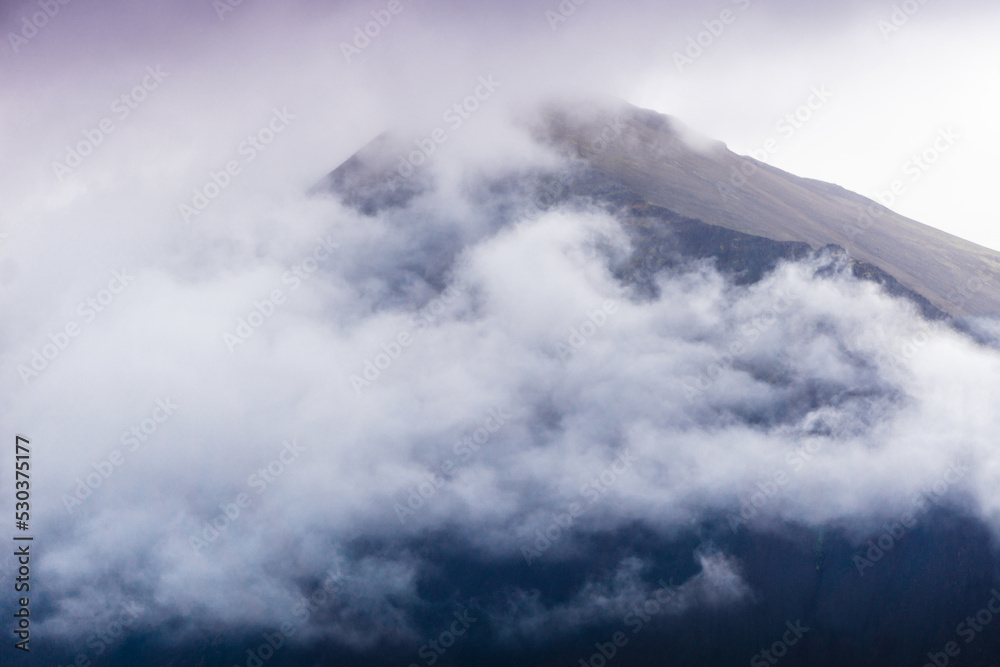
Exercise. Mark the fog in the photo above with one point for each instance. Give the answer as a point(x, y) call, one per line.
point(374, 396)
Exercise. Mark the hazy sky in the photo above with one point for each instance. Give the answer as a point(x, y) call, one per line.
point(892, 90)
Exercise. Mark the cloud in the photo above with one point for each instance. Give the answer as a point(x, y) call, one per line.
point(707, 387)
point(835, 385)
point(623, 597)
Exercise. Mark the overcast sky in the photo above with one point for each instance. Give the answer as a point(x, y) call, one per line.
point(114, 246)
point(892, 89)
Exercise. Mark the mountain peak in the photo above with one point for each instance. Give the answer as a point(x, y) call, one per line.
point(660, 160)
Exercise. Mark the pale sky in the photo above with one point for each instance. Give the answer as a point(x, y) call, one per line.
point(892, 92)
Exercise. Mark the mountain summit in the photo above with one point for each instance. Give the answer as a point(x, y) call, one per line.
point(671, 183)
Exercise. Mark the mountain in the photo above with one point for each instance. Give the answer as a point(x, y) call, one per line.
point(679, 193)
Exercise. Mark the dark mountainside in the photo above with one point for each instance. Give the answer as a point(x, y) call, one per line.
point(680, 205)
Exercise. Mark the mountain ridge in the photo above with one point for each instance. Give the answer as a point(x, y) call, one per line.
point(656, 158)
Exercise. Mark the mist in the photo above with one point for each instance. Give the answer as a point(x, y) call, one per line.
point(244, 389)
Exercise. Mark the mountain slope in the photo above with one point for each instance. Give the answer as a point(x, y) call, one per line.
point(652, 158)
point(633, 157)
